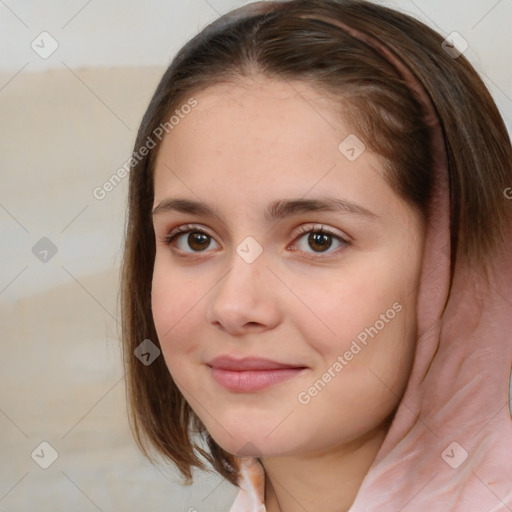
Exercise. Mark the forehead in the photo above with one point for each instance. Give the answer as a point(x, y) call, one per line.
point(257, 123)
point(264, 138)
point(264, 106)
point(266, 89)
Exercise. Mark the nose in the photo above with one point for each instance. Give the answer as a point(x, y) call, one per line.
point(245, 298)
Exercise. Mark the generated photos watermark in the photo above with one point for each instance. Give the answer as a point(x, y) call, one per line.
point(109, 185)
point(357, 345)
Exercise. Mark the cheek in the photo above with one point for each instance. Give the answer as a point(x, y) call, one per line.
point(175, 304)
point(347, 308)
point(369, 319)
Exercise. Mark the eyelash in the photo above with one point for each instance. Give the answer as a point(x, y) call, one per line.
point(303, 230)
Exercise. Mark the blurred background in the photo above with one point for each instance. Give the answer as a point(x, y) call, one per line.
point(75, 79)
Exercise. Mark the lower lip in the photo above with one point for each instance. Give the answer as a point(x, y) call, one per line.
point(252, 380)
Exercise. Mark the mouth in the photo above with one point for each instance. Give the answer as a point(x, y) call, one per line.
point(251, 374)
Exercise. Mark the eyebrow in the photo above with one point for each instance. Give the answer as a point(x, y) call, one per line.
point(277, 210)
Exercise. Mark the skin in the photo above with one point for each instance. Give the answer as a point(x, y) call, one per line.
point(244, 146)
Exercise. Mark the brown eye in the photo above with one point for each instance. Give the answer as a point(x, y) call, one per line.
point(320, 240)
point(198, 241)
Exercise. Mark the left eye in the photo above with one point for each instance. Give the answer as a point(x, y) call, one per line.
point(321, 239)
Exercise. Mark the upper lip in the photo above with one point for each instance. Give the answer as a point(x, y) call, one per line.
point(248, 363)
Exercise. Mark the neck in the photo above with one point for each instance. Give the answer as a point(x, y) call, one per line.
point(327, 481)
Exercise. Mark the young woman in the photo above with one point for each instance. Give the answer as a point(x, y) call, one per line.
point(318, 243)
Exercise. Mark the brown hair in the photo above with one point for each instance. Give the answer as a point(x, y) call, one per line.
point(276, 40)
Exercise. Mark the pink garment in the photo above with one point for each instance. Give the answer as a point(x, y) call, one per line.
point(449, 448)
point(251, 497)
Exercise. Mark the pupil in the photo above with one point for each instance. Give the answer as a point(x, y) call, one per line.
point(321, 239)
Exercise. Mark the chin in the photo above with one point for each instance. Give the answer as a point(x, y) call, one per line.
point(251, 442)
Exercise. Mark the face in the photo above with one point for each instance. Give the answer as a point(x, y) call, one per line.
point(327, 295)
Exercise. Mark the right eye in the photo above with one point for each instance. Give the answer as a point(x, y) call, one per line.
point(198, 239)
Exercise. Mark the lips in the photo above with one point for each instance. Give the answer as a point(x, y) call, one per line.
point(249, 363)
point(251, 374)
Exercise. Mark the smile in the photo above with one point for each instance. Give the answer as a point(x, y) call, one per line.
point(251, 373)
